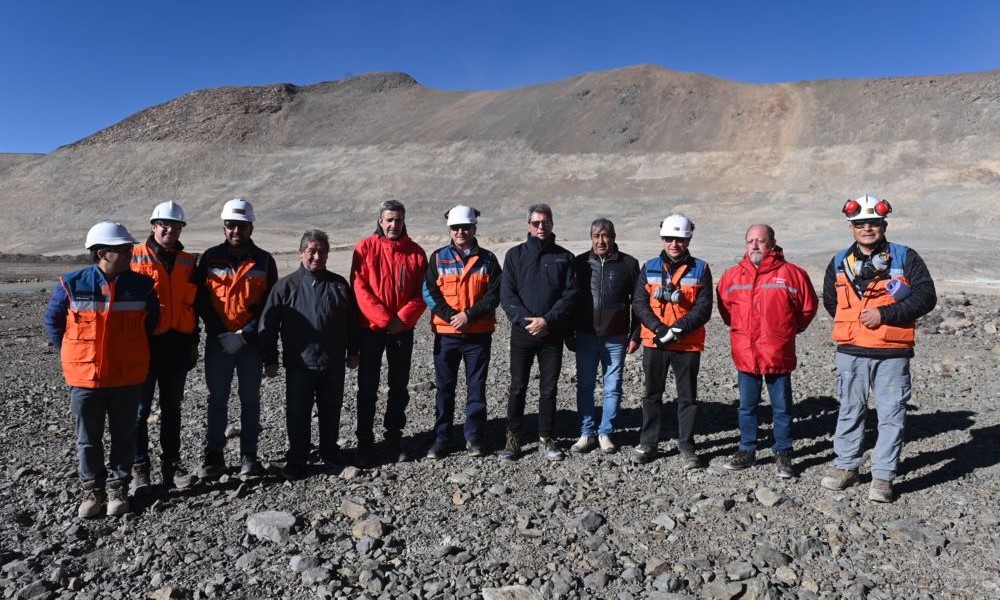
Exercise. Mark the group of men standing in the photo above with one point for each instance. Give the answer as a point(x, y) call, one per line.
point(128, 324)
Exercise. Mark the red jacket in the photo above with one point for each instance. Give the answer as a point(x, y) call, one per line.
point(387, 277)
point(765, 308)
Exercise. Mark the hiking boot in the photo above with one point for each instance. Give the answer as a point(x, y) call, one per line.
point(741, 460)
point(477, 449)
point(213, 466)
point(512, 451)
point(117, 498)
point(880, 490)
point(607, 446)
point(364, 456)
point(173, 473)
point(585, 444)
point(548, 448)
point(92, 500)
point(644, 454)
point(293, 470)
point(438, 450)
point(690, 461)
point(250, 466)
point(840, 479)
point(140, 479)
point(783, 465)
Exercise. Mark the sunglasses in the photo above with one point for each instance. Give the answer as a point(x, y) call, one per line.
point(862, 223)
point(168, 224)
point(540, 224)
point(236, 225)
point(462, 227)
point(678, 240)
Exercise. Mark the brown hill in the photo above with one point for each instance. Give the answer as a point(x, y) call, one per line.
point(633, 143)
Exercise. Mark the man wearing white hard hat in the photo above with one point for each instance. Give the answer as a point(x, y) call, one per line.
point(462, 291)
point(673, 300)
point(234, 279)
point(173, 346)
point(100, 318)
point(875, 290)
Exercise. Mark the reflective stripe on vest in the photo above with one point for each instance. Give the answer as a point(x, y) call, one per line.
point(234, 293)
point(688, 280)
point(175, 289)
point(462, 284)
point(847, 327)
point(105, 343)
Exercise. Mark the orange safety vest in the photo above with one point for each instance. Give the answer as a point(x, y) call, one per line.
point(688, 281)
point(462, 283)
point(175, 289)
point(105, 342)
point(847, 327)
point(238, 294)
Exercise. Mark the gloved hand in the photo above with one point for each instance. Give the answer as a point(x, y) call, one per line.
point(672, 335)
point(232, 342)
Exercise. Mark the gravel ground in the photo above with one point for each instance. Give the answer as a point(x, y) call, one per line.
point(591, 526)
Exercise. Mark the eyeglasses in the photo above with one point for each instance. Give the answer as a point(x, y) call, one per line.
point(862, 223)
point(235, 225)
point(462, 227)
point(540, 224)
point(676, 240)
point(168, 224)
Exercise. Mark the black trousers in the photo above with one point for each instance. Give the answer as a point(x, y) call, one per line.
point(655, 363)
point(524, 348)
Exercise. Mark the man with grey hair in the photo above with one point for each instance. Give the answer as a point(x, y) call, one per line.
point(605, 331)
point(314, 312)
point(387, 274)
point(766, 301)
point(537, 293)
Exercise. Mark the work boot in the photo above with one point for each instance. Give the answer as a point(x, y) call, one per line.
point(550, 450)
point(117, 498)
point(690, 461)
point(92, 500)
point(477, 449)
point(607, 446)
point(438, 450)
point(250, 466)
point(293, 470)
point(512, 451)
point(880, 490)
point(783, 465)
point(840, 479)
point(395, 451)
point(741, 460)
point(585, 444)
point(364, 456)
point(214, 465)
point(644, 454)
point(140, 479)
point(173, 473)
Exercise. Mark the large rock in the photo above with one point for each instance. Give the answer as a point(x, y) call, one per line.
point(511, 592)
point(273, 525)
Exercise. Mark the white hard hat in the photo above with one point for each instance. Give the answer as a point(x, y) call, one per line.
point(238, 209)
point(462, 215)
point(168, 211)
point(676, 226)
point(866, 207)
point(108, 233)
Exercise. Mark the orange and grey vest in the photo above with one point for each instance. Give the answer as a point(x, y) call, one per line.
point(847, 326)
point(687, 278)
point(175, 289)
point(105, 343)
point(237, 294)
point(462, 283)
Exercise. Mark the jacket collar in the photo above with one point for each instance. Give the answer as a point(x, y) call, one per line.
point(613, 255)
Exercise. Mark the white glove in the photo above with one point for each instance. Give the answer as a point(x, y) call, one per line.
point(670, 336)
point(232, 342)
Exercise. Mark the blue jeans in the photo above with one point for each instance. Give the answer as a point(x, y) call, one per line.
point(91, 407)
point(304, 388)
point(609, 352)
point(449, 350)
point(779, 391)
point(219, 368)
point(171, 386)
point(857, 377)
point(398, 350)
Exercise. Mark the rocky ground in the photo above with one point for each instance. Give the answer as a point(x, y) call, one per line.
point(591, 526)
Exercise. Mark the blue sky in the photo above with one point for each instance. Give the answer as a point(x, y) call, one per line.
point(71, 67)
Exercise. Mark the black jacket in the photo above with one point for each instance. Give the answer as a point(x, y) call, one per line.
point(604, 302)
point(317, 318)
point(538, 281)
